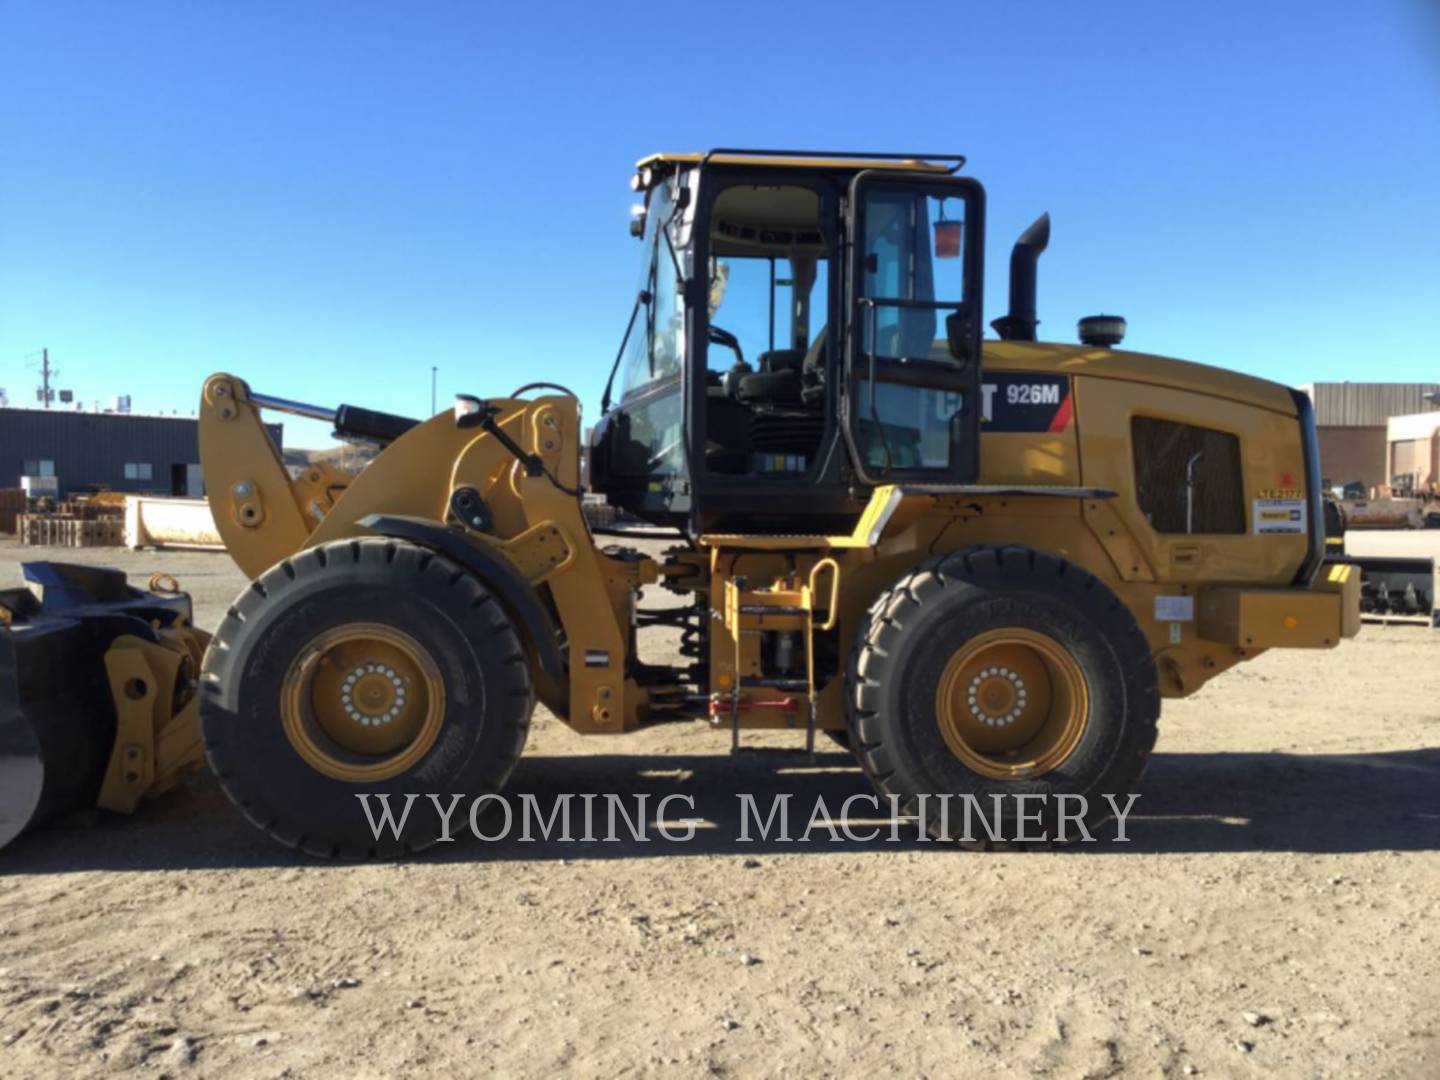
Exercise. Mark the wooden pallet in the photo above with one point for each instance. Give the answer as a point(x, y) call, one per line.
point(1396, 620)
point(63, 530)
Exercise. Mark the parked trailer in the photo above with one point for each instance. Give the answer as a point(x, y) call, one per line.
point(1392, 587)
point(1397, 587)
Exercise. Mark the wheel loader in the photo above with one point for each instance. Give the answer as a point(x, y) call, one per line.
point(979, 563)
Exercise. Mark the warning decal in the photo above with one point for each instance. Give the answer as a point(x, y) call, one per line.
point(1279, 515)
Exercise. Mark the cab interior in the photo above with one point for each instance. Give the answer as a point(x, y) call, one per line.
point(768, 360)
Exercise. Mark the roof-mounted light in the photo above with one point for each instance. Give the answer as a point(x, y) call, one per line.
point(466, 405)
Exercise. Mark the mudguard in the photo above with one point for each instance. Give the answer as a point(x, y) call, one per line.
point(494, 570)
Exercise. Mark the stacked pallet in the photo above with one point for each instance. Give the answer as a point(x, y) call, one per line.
point(12, 505)
point(68, 530)
point(89, 509)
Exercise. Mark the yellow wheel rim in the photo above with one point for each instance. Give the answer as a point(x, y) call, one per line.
point(362, 703)
point(1012, 703)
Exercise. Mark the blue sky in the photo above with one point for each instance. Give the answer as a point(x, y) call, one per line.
point(329, 198)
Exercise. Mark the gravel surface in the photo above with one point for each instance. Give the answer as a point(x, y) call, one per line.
point(1273, 914)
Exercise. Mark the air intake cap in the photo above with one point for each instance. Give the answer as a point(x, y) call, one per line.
point(1102, 331)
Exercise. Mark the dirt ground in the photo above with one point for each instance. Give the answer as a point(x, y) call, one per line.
point(1274, 914)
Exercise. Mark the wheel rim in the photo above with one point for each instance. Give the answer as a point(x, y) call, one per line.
point(1012, 703)
point(363, 702)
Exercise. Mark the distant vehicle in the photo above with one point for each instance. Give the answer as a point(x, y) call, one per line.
point(1353, 490)
point(1387, 512)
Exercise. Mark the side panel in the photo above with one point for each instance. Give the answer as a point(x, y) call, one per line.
point(1272, 466)
point(1027, 428)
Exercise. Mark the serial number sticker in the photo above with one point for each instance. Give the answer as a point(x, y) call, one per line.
point(1279, 516)
point(1281, 493)
point(1174, 609)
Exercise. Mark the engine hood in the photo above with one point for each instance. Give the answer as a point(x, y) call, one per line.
point(1138, 367)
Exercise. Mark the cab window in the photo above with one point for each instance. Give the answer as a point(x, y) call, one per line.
point(656, 347)
point(912, 275)
point(650, 440)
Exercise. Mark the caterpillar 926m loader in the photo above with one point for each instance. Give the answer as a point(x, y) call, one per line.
point(980, 563)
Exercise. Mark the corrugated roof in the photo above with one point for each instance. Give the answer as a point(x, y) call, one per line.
point(70, 410)
point(1368, 404)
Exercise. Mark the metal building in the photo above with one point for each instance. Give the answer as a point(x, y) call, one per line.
point(88, 451)
point(1352, 418)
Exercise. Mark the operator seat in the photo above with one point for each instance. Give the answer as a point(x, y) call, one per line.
point(777, 382)
point(786, 376)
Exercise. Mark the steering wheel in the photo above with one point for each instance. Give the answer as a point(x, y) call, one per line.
point(723, 337)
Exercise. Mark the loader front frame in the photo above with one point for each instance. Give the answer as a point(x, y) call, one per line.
point(437, 473)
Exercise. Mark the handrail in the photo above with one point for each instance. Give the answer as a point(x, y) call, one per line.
point(832, 611)
point(958, 160)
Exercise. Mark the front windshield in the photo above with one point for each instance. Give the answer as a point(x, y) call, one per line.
point(656, 349)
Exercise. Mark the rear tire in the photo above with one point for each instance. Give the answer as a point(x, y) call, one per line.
point(363, 667)
point(1002, 671)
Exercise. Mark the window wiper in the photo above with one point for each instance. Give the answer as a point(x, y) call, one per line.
point(674, 258)
point(641, 299)
point(644, 298)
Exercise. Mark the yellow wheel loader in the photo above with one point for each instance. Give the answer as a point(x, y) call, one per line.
point(980, 564)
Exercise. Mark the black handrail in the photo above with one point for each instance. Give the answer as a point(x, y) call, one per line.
point(876, 155)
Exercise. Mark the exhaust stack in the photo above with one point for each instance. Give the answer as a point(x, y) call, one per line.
point(1019, 323)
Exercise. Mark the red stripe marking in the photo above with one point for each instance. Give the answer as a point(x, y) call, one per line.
point(1062, 415)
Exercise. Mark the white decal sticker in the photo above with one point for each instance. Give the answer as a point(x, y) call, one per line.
point(1174, 609)
point(1280, 516)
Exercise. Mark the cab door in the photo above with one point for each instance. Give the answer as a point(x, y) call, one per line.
point(910, 401)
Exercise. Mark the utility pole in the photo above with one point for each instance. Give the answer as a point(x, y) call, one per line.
point(432, 390)
point(45, 374)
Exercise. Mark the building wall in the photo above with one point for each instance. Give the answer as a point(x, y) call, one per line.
point(1414, 444)
point(1354, 453)
point(1410, 457)
point(1361, 404)
point(92, 449)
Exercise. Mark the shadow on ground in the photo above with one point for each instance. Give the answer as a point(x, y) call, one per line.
point(1188, 803)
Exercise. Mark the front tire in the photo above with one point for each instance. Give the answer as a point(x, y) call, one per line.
point(371, 667)
point(1002, 671)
